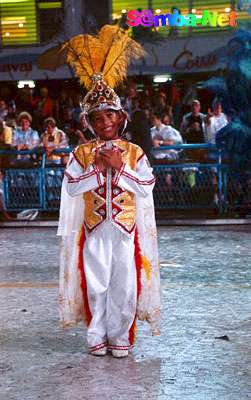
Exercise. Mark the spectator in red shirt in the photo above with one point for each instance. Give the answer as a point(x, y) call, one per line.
point(43, 107)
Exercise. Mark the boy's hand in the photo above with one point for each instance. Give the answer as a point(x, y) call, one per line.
point(112, 158)
point(100, 162)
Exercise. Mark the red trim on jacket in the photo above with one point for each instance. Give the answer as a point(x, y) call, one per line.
point(88, 315)
point(149, 182)
point(82, 177)
point(138, 264)
point(118, 174)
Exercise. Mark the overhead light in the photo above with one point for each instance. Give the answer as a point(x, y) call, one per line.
point(227, 9)
point(124, 11)
point(22, 84)
point(193, 10)
point(158, 11)
point(7, 34)
point(20, 25)
point(162, 78)
point(12, 20)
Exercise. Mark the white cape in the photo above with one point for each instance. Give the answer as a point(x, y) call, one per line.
point(70, 292)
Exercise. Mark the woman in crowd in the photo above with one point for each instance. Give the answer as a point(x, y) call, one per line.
point(53, 138)
point(24, 137)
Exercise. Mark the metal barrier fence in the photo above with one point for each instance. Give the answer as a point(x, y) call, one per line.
point(185, 183)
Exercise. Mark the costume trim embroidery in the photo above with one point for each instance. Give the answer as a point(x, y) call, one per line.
point(98, 346)
point(149, 182)
point(96, 169)
point(114, 347)
point(77, 159)
point(141, 156)
point(138, 264)
point(87, 312)
point(118, 174)
point(80, 178)
point(98, 211)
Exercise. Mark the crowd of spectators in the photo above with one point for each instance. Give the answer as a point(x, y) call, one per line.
point(157, 117)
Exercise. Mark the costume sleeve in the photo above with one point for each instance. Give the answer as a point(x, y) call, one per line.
point(80, 180)
point(140, 181)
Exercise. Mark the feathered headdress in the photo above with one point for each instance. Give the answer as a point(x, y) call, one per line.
point(101, 64)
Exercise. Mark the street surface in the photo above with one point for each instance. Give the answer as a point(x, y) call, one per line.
point(204, 352)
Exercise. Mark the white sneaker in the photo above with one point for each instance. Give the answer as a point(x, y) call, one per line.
point(99, 352)
point(119, 353)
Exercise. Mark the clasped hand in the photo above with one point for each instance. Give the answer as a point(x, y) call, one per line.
point(106, 158)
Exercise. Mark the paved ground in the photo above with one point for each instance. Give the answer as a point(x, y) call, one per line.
point(206, 294)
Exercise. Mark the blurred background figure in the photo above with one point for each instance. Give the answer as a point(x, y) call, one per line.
point(3, 109)
point(53, 138)
point(160, 101)
point(5, 144)
point(70, 126)
point(10, 118)
point(193, 125)
point(5, 133)
point(215, 121)
point(24, 99)
point(164, 135)
point(24, 137)
point(167, 117)
point(83, 132)
point(140, 131)
point(157, 124)
point(43, 107)
point(61, 103)
point(132, 95)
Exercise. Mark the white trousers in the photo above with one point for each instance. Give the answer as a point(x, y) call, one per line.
point(111, 286)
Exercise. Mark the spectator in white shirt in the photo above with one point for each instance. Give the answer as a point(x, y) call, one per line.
point(214, 122)
point(164, 135)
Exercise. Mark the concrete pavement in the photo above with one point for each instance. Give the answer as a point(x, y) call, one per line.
point(204, 351)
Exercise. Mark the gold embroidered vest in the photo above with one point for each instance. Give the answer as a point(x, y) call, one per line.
point(109, 201)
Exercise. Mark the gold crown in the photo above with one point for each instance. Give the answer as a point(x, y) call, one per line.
point(100, 97)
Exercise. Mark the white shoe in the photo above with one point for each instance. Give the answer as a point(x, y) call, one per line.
point(99, 352)
point(119, 353)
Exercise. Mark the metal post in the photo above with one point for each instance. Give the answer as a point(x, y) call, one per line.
point(220, 182)
point(6, 189)
point(42, 188)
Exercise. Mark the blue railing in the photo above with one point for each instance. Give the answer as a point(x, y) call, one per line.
point(180, 184)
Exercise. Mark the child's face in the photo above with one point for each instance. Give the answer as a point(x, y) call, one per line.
point(106, 124)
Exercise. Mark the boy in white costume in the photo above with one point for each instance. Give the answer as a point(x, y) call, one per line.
point(109, 272)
